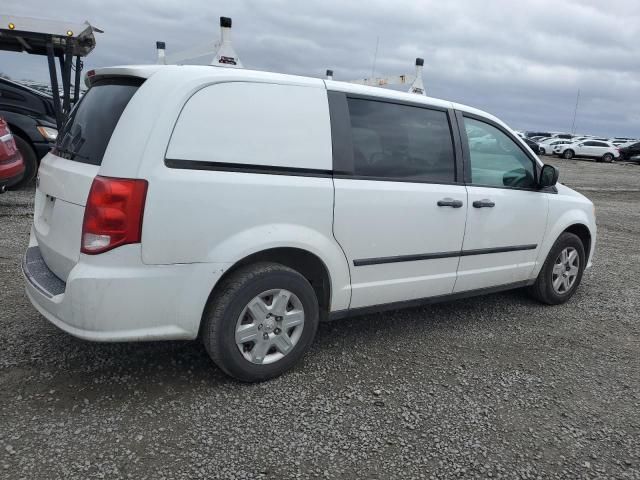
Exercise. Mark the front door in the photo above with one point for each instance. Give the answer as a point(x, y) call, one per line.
point(399, 211)
point(588, 149)
point(506, 214)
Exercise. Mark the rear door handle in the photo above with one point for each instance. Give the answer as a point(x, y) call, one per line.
point(450, 202)
point(484, 203)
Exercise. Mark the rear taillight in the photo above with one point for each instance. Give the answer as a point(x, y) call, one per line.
point(113, 214)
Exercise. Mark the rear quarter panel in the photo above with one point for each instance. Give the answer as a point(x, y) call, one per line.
point(202, 216)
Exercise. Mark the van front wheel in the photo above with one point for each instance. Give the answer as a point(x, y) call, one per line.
point(260, 321)
point(562, 271)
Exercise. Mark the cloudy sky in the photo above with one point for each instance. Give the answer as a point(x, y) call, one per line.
point(522, 60)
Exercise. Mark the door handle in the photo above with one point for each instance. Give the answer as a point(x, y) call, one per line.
point(483, 203)
point(450, 202)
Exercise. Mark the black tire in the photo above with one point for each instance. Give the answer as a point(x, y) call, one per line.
point(607, 158)
point(226, 305)
point(542, 290)
point(541, 151)
point(30, 162)
point(568, 154)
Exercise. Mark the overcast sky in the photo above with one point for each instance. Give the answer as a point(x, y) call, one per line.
point(522, 60)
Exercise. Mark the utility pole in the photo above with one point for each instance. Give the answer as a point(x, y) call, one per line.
point(575, 112)
point(375, 57)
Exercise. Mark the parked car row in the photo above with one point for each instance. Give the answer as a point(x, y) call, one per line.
point(586, 146)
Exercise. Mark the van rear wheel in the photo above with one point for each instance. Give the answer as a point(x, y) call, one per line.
point(260, 321)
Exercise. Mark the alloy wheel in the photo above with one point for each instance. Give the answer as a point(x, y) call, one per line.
point(269, 326)
point(565, 270)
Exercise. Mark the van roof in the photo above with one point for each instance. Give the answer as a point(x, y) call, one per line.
point(207, 72)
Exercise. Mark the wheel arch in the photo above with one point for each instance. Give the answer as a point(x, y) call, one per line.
point(308, 264)
point(583, 233)
point(575, 220)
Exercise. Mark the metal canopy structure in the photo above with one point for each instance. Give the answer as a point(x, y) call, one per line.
point(53, 39)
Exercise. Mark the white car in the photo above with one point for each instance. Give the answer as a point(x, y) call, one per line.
point(579, 139)
point(242, 207)
point(546, 147)
point(600, 150)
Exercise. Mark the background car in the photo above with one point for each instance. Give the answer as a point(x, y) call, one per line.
point(630, 150)
point(11, 164)
point(537, 134)
point(580, 139)
point(601, 151)
point(532, 145)
point(30, 116)
point(546, 146)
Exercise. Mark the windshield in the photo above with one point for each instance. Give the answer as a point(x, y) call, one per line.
point(86, 134)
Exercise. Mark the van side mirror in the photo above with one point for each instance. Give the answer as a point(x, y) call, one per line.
point(548, 176)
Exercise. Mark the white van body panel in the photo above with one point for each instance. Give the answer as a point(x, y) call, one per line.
point(506, 219)
point(567, 208)
point(61, 192)
point(376, 219)
point(162, 302)
point(276, 211)
point(287, 124)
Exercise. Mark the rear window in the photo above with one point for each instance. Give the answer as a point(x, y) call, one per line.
point(86, 134)
point(401, 142)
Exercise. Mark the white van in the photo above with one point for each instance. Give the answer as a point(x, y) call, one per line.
point(243, 207)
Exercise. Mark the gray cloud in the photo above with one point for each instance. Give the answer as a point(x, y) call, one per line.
point(523, 61)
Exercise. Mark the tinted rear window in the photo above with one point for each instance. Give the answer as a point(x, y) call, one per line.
point(401, 142)
point(85, 136)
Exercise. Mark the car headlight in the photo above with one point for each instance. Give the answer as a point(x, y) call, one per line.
point(48, 133)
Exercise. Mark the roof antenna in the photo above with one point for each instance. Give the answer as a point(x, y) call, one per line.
point(329, 74)
point(226, 55)
point(417, 86)
point(162, 59)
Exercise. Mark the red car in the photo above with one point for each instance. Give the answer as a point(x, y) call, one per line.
point(11, 164)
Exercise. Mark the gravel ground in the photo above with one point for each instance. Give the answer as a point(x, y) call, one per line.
point(497, 386)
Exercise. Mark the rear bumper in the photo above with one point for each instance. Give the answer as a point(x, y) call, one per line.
point(114, 297)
